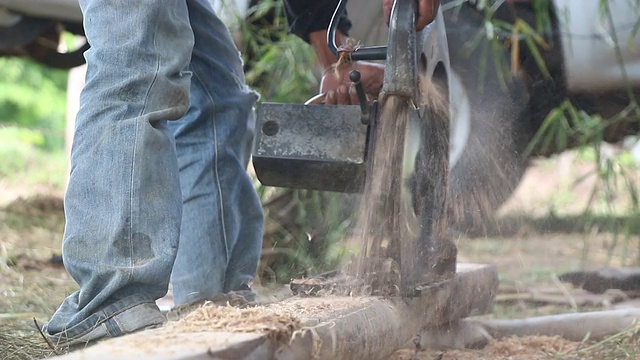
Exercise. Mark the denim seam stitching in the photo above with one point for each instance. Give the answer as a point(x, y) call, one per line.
point(100, 322)
point(110, 329)
point(118, 325)
point(133, 160)
point(131, 202)
point(215, 166)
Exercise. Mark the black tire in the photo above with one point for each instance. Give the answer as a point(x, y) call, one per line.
point(56, 59)
point(38, 40)
point(492, 164)
point(44, 50)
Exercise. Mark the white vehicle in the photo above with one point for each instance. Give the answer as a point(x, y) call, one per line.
point(491, 125)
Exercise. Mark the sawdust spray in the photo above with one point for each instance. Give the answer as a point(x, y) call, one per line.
point(379, 219)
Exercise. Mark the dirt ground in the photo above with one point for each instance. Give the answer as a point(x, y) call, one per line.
point(538, 237)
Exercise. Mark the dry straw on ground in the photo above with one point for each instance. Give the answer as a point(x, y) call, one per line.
point(525, 348)
point(279, 325)
point(17, 343)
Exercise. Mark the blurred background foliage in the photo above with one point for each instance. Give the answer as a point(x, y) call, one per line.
point(303, 229)
point(32, 122)
point(33, 97)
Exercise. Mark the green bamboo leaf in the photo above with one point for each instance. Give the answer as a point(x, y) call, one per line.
point(531, 33)
point(472, 44)
point(633, 193)
point(632, 36)
point(537, 57)
point(484, 59)
point(543, 136)
point(542, 10)
point(503, 25)
point(562, 138)
point(501, 65)
point(603, 7)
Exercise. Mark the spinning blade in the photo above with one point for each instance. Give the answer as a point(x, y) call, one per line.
point(404, 226)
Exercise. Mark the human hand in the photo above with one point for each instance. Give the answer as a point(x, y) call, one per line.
point(340, 90)
point(427, 10)
point(335, 84)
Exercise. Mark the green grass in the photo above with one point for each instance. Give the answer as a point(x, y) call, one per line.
point(23, 162)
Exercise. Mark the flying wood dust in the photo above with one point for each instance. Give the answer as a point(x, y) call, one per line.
point(380, 221)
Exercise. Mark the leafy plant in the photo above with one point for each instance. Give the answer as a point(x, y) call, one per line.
point(34, 96)
point(277, 63)
point(304, 229)
point(567, 126)
point(23, 160)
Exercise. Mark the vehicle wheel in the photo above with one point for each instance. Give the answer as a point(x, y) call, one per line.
point(491, 163)
point(491, 123)
point(38, 39)
point(44, 49)
point(24, 31)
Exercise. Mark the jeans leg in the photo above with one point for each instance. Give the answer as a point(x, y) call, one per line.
point(221, 234)
point(123, 204)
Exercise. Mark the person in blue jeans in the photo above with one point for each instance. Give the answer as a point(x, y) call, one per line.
point(158, 188)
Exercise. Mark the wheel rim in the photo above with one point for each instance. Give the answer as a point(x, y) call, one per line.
point(460, 119)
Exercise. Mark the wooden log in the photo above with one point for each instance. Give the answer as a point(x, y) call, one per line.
point(471, 333)
point(572, 298)
point(601, 280)
point(332, 327)
point(574, 327)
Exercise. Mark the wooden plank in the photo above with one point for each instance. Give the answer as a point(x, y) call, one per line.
point(332, 327)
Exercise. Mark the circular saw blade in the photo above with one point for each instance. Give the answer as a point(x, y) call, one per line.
point(405, 193)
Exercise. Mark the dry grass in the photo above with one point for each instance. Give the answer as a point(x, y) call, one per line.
point(526, 348)
point(20, 343)
point(624, 345)
point(30, 285)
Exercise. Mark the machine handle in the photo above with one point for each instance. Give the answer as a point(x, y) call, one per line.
point(354, 76)
point(362, 53)
point(365, 108)
point(317, 99)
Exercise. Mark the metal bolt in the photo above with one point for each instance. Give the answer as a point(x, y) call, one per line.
point(270, 128)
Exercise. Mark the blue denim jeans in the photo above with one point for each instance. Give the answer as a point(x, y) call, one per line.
point(158, 186)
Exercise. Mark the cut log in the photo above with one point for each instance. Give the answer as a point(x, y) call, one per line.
point(573, 327)
point(331, 327)
point(572, 297)
point(471, 333)
point(601, 280)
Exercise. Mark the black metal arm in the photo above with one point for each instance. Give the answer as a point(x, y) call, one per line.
point(362, 53)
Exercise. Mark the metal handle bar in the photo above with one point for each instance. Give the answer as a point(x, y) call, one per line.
point(362, 53)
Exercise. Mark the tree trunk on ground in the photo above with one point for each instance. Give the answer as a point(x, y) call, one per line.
point(470, 333)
